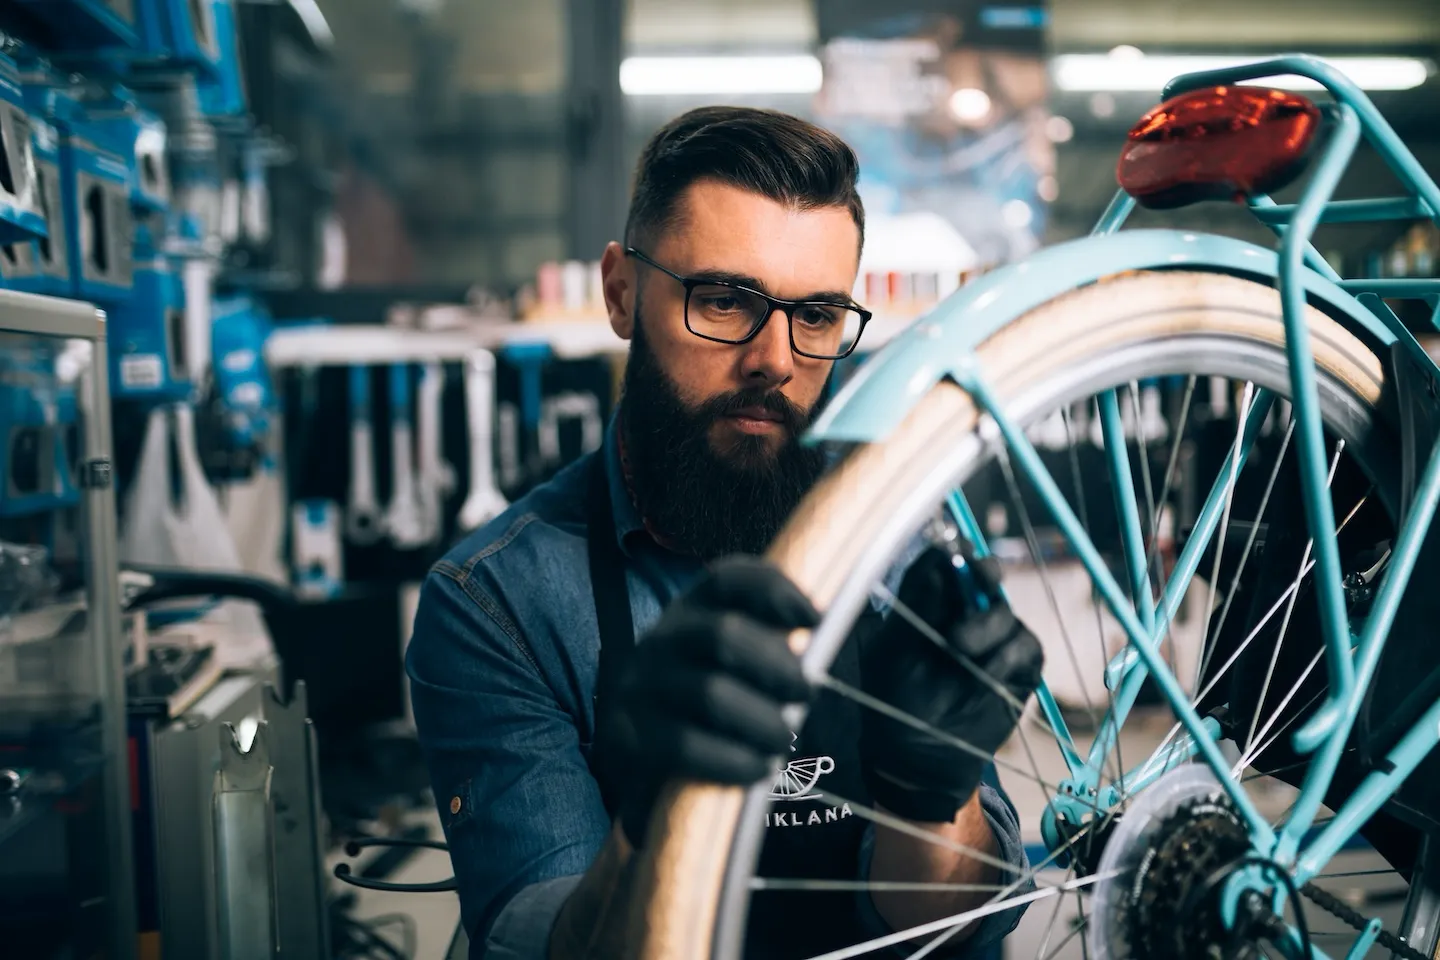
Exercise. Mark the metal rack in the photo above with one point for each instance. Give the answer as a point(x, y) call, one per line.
point(96, 658)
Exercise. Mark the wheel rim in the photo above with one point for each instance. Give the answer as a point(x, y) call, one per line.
point(1349, 418)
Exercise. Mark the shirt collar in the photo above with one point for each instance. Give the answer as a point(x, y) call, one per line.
point(622, 507)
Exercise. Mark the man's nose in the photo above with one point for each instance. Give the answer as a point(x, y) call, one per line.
point(768, 356)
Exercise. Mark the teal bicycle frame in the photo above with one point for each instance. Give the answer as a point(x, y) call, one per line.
point(942, 346)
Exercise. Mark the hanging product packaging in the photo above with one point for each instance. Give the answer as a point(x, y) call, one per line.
point(21, 216)
point(42, 265)
point(187, 531)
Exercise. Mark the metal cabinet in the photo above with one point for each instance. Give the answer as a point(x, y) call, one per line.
point(65, 834)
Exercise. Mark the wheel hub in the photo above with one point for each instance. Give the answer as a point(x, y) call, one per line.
point(1162, 876)
point(1173, 897)
point(1085, 843)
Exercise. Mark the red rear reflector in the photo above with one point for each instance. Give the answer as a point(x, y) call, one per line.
point(1222, 143)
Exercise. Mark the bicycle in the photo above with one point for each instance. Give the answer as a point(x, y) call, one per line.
point(1180, 850)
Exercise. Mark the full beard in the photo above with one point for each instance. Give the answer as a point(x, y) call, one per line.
point(712, 502)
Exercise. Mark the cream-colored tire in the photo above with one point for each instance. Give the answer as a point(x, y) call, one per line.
point(1176, 319)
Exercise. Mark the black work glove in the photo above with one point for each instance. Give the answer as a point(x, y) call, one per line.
point(702, 694)
point(909, 772)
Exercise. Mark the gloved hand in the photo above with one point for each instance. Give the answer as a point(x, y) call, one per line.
point(909, 772)
point(702, 694)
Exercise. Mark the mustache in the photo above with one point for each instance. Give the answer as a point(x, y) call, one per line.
point(771, 400)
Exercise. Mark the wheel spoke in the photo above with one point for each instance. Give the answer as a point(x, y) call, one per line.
point(1152, 557)
point(1153, 509)
point(789, 884)
point(1248, 760)
point(1055, 913)
point(1080, 500)
point(1354, 873)
point(1154, 563)
point(1033, 544)
point(1259, 774)
point(1151, 506)
point(1034, 870)
point(929, 632)
point(1079, 929)
point(1219, 541)
point(935, 944)
point(1254, 632)
point(1030, 875)
point(960, 919)
point(909, 829)
point(1289, 609)
point(1172, 598)
point(1207, 648)
point(895, 713)
point(1017, 708)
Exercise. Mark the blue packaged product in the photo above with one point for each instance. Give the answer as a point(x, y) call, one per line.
point(89, 25)
point(146, 330)
point(42, 265)
point(95, 187)
point(35, 413)
point(20, 215)
point(243, 386)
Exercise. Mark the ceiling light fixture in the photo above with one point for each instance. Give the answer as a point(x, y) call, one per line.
point(1087, 73)
point(704, 76)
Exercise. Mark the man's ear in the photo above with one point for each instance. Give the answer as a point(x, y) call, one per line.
point(617, 280)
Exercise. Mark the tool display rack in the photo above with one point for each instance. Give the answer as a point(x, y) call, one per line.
point(79, 713)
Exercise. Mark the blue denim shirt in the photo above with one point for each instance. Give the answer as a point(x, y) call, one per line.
point(502, 665)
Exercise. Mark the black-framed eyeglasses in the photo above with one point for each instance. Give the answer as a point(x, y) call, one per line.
point(733, 313)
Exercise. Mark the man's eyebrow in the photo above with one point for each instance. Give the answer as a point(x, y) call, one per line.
point(743, 280)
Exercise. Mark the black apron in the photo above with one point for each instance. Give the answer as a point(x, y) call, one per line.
point(805, 838)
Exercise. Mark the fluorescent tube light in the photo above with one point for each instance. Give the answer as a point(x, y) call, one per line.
point(680, 76)
point(1091, 73)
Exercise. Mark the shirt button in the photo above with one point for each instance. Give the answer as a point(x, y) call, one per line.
point(454, 805)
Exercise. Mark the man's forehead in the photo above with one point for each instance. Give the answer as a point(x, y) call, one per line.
point(727, 229)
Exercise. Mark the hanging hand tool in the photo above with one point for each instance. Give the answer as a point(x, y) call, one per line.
point(436, 477)
point(485, 500)
point(362, 515)
point(403, 520)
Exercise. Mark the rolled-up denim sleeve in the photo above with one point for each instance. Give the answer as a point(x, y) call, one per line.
point(521, 811)
point(1005, 824)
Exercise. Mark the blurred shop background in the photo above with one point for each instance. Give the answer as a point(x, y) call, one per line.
point(347, 251)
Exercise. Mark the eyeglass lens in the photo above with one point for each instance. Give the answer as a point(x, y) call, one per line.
point(730, 314)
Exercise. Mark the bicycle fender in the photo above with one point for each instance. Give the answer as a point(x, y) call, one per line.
point(942, 344)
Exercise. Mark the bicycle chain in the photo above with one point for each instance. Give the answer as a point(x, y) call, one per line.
point(1347, 914)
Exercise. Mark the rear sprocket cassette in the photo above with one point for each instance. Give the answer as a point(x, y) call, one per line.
point(1161, 900)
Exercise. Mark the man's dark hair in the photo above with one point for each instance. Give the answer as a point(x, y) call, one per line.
point(774, 154)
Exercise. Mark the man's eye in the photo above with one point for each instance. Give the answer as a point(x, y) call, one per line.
point(818, 316)
point(721, 303)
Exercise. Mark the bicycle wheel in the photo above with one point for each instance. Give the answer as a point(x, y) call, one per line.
point(699, 878)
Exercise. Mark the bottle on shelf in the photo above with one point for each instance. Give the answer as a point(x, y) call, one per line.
point(572, 290)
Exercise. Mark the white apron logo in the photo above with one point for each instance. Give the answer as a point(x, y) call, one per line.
point(798, 778)
point(797, 782)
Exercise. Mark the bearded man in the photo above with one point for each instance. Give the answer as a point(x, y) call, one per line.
point(615, 628)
